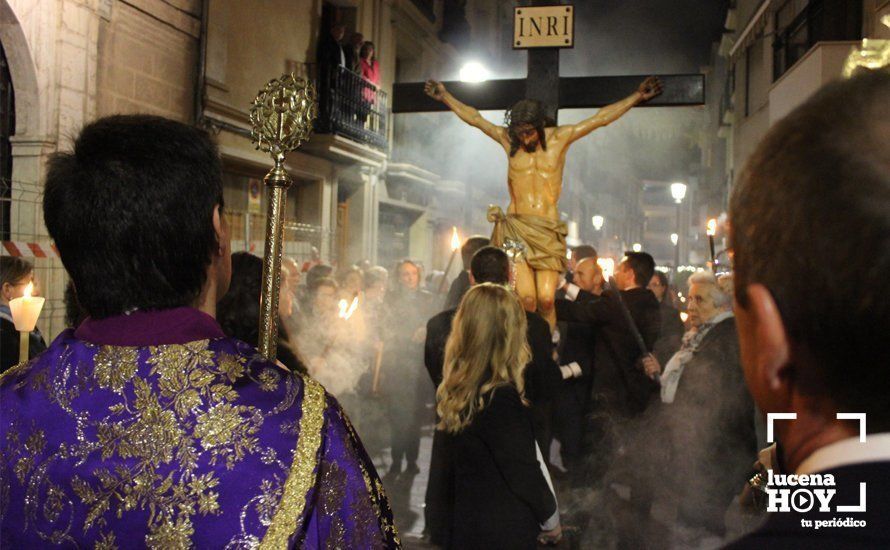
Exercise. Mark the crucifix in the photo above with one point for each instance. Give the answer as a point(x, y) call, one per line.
point(536, 145)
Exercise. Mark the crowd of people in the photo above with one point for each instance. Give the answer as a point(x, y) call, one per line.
point(153, 421)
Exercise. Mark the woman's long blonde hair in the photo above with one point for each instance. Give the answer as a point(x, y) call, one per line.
point(487, 348)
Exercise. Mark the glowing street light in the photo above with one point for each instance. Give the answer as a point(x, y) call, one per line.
point(678, 191)
point(637, 247)
point(597, 222)
point(675, 239)
point(473, 71)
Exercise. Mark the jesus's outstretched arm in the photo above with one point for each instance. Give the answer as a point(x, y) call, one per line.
point(471, 116)
point(648, 89)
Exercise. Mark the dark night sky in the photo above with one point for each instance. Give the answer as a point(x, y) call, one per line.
point(638, 37)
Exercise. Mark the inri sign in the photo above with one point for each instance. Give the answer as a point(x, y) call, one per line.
point(544, 27)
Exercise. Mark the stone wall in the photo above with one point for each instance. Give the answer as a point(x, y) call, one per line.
point(148, 65)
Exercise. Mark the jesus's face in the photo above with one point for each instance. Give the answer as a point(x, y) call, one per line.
point(528, 137)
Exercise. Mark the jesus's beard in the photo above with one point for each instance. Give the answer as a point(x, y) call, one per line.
point(530, 147)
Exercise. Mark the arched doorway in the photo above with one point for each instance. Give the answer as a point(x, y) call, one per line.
point(7, 129)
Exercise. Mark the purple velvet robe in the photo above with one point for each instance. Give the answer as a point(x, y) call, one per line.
point(156, 430)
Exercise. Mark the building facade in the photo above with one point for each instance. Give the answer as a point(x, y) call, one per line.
point(67, 62)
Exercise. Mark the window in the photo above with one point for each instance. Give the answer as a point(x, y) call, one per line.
point(800, 24)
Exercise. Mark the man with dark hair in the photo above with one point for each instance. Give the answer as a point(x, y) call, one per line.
point(146, 424)
point(625, 321)
point(811, 217)
point(536, 152)
point(618, 314)
point(461, 283)
point(542, 378)
point(635, 270)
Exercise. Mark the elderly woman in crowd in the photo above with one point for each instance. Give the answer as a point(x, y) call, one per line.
point(708, 410)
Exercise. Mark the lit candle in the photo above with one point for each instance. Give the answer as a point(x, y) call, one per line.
point(712, 230)
point(347, 309)
point(455, 246)
point(25, 311)
point(608, 267)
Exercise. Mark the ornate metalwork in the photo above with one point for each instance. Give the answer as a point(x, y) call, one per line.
point(516, 252)
point(282, 114)
point(281, 117)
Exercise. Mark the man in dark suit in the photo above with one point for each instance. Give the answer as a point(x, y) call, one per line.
point(575, 352)
point(542, 378)
point(814, 334)
point(626, 321)
point(621, 381)
point(461, 283)
point(331, 58)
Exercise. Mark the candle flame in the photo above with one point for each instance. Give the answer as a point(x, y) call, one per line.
point(608, 267)
point(29, 290)
point(712, 227)
point(347, 309)
point(455, 239)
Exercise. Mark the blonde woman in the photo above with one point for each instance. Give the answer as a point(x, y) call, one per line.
point(502, 492)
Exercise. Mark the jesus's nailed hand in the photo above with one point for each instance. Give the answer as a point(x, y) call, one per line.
point(434, 89)
point(650, 88)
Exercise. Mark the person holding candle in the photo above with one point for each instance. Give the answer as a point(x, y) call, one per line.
point(15, 276)
point(205, 443)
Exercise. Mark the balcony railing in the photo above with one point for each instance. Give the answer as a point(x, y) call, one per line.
point(352, 107)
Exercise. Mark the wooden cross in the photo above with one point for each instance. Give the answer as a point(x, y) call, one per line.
point(544, 84)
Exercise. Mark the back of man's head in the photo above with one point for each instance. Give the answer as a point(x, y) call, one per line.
point(582, 252)
point(810, 222)
point(131, 212)
point(490, 265)
point(643, 266)
point(470, 247)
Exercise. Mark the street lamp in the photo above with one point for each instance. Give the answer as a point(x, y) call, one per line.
point(637, 247)
point(678, 191)
point(473, 71)
point(597, 222)
point(675, 239)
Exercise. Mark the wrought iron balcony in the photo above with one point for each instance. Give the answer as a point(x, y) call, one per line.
point(352, 107)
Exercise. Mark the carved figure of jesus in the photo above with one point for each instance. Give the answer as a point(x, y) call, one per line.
point(536, 150)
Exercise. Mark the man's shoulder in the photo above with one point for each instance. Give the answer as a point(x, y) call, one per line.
point(441, 319)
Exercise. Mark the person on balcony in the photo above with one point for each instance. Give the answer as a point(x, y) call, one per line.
point(370, 70)
point(332, 60)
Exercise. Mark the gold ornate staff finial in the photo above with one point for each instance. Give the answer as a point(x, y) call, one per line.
point(281, 115)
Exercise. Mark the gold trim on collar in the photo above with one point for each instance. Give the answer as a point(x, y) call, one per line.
point(301, 477)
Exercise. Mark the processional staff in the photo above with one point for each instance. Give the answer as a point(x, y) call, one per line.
point(281, 118)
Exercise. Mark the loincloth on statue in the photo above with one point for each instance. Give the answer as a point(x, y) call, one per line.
point(544, 239)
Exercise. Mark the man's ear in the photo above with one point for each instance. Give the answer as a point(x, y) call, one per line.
point(472, 279)
point(771, 351)
point(221, 237)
